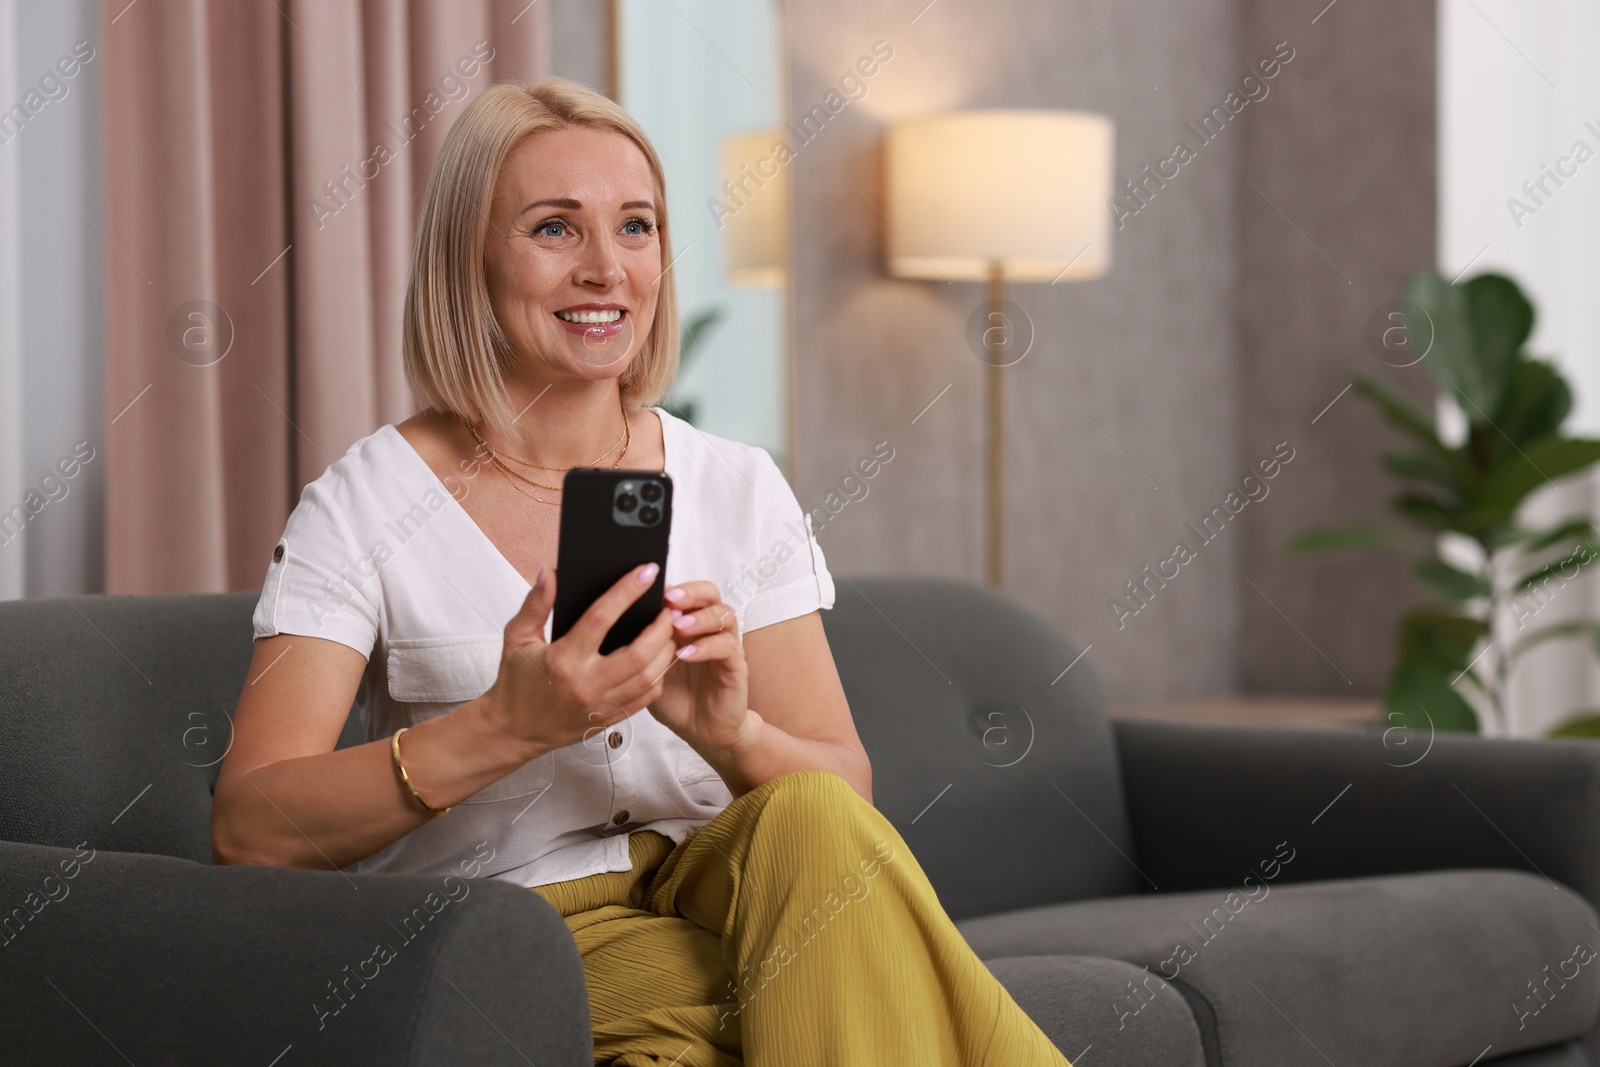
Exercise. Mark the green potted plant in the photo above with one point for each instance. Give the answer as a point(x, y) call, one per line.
point(695, 331)
point(1465, 494)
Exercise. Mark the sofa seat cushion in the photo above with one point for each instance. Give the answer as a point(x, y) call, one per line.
point(1068, 997)
point(1420, 970)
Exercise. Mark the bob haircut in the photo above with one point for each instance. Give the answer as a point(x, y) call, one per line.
point(455, 354)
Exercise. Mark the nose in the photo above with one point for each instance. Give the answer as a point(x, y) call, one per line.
point(599, 267)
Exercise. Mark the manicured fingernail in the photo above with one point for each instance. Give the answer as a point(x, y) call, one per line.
point(674, 594)
point(686, 651)
point(648, 574)
point(538, 577)
point(682, 621)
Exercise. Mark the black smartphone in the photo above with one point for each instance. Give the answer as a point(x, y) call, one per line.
point(611, 522)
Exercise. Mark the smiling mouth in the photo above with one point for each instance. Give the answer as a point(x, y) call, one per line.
point(585, 318)
point(598, 328)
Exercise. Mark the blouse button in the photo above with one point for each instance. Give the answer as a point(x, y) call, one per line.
point(277, 554)
point(615, 740)
point(620, 817)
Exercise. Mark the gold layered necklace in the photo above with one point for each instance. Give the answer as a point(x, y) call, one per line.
point(498, 458)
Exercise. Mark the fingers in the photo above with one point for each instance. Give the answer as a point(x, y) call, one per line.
point(643, 665)
point(621, 664)
point(715, 619)
point(655, 675)
point(698, 610)
point(691, 596)
point(592, 627)
point(721, 646)
point(702, 625)
point(527, 625)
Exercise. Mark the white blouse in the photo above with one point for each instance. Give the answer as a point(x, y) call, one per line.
point(379, 555)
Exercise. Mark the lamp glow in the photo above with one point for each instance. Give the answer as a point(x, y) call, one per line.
point(756, 232)
point(1026, 189)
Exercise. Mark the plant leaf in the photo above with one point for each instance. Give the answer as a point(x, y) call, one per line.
point(1582, 725)
point(1477, 681)
point(1449, 583)
point(1500, 319)
point(1401, 412)
point(1451, 357)
point(1443, 638)
point(1420, 697)
point(1534, 403)
point(1535, 540)
point(695, 332)
point(1431, 512)
point(1328, 538)
point(1577, 628)
point(1442, 468)
point(1533, 465)
point(1578, 558)
point(683, 409)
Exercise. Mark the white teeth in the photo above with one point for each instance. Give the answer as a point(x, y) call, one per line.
point(611, 315)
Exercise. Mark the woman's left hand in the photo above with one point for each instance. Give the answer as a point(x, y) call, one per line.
point(707, 694)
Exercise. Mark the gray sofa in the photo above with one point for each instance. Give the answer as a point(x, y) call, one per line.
point(1150, 893)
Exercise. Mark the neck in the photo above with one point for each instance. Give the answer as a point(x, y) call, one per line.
point(562, 423)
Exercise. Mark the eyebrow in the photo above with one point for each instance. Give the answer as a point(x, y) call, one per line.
point(573, 205)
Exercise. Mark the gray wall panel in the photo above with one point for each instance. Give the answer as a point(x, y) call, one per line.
point(1345, 148)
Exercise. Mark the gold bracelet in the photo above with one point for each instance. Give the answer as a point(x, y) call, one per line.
point(405, 779)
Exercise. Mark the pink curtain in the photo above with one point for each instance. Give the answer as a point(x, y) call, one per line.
point(264, 162)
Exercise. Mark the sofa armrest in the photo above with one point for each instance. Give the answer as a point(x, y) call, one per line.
point(107, 957)
point(1211, 804)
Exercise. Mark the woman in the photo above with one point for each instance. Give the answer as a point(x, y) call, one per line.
point(695, 851)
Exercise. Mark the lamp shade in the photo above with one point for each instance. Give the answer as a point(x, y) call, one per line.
point(1026, 189)
point(755, 177)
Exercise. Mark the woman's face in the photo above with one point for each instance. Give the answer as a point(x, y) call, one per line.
point(574, 256)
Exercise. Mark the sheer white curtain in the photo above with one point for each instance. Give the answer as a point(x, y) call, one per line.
point(51, 323)
point(1519, 175)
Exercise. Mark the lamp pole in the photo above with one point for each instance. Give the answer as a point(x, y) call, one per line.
point(994, 339)
point(1055, 170)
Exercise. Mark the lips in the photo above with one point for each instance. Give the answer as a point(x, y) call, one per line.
point(593, 322)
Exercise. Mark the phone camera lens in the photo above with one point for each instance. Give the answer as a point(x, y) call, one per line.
point(627, 502)
point(650, 492)
point(649, 514)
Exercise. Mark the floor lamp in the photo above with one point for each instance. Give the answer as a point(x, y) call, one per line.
point(999, 196)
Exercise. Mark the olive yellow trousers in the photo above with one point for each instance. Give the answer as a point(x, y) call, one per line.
point(794, 928)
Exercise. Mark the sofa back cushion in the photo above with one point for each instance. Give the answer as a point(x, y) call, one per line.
point(994, 761)
point(997, 768)
point(114, 713)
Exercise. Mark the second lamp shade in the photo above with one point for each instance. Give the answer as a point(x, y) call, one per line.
point(1026, 189)
point(756, 234)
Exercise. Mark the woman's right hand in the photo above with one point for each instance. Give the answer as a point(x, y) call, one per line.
point(550, 695)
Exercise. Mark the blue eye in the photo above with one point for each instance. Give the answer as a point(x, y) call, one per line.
point(545, 226)
point(644, 227)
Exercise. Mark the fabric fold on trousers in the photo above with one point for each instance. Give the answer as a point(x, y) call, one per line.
point(795, 928)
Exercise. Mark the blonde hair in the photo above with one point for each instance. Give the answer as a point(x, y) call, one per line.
point(455, 354)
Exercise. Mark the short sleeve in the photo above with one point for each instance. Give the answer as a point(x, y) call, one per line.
point(792, 572)
point(319, 581)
